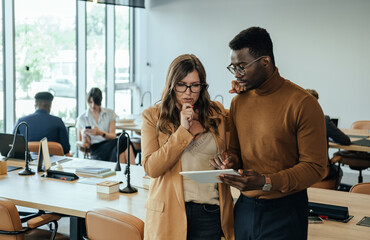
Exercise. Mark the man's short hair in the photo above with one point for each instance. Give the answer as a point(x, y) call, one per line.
point(46, 96)
point(257, 40)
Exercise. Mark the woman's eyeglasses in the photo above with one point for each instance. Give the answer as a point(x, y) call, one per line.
point(194, 88)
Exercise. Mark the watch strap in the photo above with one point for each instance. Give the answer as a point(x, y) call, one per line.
point(267, 186)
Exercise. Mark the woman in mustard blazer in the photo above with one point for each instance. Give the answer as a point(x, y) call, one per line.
point(182, 133)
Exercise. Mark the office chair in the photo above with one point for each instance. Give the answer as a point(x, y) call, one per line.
point(361, 125)
point(356, 160)
point(55, 148)
point(107, 223)
point(11, 224)
point(331, 183)
point(361, 188)
point(83, 147)
point(136, 142)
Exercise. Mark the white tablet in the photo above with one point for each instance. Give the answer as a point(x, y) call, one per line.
point(209, 176)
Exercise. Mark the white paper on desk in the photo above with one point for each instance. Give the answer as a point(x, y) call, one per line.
point(208, 176)
point(91, 181)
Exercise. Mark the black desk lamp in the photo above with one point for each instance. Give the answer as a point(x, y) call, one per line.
point(128, 188)
point(142, 98)
point(27, 170)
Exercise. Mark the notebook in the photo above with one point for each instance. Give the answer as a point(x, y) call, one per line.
point(6, 142)
point(362, 142)
point(12, 168)
point(357, 136)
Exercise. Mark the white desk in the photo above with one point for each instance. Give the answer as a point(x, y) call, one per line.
point(75, 199)
point(352, 147)
point(129, 127)
point(72, 198)
point(123, 126)
point(358, 206)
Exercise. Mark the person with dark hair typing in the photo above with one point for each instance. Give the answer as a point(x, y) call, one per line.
point(42, 124)
point(277, 143)
point(96, 128)
point(333, 133)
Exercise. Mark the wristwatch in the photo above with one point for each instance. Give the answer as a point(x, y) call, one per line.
point(103, 135)
point(267, 187)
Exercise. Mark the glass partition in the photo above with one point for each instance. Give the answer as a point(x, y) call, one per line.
point(45, 49)
point(123, 93)
point(95, 48)
point(1, 74)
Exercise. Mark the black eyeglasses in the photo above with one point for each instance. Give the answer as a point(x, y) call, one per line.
point(242, 69)
point(194, 88)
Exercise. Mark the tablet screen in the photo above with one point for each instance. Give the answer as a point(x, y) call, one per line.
point(209, 176)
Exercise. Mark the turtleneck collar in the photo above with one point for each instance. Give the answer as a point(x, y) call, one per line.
point(271, 85)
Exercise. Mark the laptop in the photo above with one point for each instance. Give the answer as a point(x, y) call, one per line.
point(6, 141)
point(335, 121)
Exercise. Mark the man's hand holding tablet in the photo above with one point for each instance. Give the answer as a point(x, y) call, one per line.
point(244, 180)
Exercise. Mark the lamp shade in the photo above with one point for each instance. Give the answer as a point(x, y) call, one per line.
point(128, 3)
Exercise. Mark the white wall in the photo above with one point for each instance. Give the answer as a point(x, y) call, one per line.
point(318, 44)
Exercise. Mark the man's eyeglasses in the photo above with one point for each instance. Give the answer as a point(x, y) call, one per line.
point(242, 69)
point(194, 88)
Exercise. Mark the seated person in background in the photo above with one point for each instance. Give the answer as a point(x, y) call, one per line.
point(96, 128)
point(42, 124)
point(333, 134)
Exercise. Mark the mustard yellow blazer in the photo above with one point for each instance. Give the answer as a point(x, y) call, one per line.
point(165, 206)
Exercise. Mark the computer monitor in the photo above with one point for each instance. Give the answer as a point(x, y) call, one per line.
point(335, 121)
point(6, 141)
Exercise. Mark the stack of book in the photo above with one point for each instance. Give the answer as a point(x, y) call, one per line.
point(95, 172)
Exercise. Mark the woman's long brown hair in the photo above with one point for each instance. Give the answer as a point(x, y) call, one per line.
point(177, 71)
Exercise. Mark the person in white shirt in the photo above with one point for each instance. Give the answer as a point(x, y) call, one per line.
point(96, 128)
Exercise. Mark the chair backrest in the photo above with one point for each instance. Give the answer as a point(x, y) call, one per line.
point(55, 148)
point(136, 142)
point(361, 125)
point(107, 223)
point(361, 188)
point(10, 220)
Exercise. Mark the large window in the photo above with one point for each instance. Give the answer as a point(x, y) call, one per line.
point(123, 94)
point(95, 47)
point(46, 45)
point(45, 49)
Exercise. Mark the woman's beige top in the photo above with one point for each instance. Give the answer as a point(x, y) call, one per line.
point(196, 158)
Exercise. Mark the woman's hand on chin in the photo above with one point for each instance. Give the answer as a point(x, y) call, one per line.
point(187, 115)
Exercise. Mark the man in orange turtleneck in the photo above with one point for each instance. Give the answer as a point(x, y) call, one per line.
point(277, 143)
